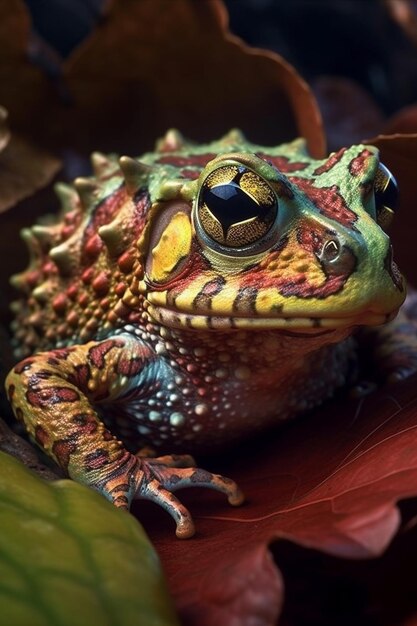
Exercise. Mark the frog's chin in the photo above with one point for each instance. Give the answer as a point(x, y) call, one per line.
point(290, 325)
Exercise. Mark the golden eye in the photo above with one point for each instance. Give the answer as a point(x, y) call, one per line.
point(386, 196)
point(236, 207)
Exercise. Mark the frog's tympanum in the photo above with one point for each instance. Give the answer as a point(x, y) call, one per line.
point(192, 297)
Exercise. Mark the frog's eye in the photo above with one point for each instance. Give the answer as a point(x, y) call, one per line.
point(236, 207)
point(386, 196)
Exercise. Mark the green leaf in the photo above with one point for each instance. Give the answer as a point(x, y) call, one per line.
point(67, 556)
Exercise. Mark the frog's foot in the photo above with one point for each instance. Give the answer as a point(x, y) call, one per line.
point(163, 475)
point(156, 479)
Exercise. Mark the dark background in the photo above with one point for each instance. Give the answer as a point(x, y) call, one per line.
point(354, 39)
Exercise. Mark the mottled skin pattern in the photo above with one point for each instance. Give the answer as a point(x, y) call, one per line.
point(191, 298)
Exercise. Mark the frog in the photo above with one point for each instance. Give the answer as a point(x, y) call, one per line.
point(187, 299)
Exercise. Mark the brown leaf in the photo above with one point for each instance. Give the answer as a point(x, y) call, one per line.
point(177, 65)
point(403, 122)
point(329, 482)
point(153, 65)
point(24, 91)
point(348, 110)
point(23, 170)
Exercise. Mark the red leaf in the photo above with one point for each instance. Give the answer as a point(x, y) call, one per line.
point(329, 481)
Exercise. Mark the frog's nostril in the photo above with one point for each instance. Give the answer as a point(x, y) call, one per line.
point(331, 250)
point(337, 258)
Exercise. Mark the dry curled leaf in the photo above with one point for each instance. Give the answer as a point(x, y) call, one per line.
point(329, 482)
point(152, 65)
point(24, 169)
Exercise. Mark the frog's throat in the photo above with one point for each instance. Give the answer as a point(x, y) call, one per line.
point(177, 319)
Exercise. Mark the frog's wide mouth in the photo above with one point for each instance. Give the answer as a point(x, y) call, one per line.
point(306, 325)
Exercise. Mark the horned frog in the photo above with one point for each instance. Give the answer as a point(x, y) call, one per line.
point(192, 297)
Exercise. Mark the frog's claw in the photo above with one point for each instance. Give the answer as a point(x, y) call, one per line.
point(161, 476)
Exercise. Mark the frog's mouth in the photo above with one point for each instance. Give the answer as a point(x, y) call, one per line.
point(291, 325)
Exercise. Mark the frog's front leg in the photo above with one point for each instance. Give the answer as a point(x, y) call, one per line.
point(55, 394)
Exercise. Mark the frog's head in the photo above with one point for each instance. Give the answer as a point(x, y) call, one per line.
point(273, 239)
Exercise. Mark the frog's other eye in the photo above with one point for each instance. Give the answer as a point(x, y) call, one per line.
point(236, 207)
point(386, 196)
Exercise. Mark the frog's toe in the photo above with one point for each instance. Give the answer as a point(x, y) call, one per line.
point(159, 480)
point(156, 493)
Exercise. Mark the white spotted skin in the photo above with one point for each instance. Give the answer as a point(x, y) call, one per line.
point(204, 390)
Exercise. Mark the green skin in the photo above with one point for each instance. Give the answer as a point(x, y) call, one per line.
point(158, 311)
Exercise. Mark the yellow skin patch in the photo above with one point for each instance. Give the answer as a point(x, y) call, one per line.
point(173, 246)
point(290, 264)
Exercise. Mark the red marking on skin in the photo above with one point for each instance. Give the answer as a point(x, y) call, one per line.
point(103, 214)
point(126, 262)
point(97, 459)
point(310, 239)
point(142, 204)
point(62, 451)
point(93, 247)
point(213, 287)
point(196, 265)
point(51, 395)
point(23, 366)
point(86, 423)
point(120, 289)
point(359, 164)
point(190, 174)
point(10, 392)
point(67, 231)
point(297, 284)
point(83, 300)
point(32, 278)
point(282, 163)
point(96, 354)
point(41, 436)
point(105, 303)
point(328, 201)
point(80, 376)
point(134, 317)
point(302, 289)
point(87, 275)
point(330, 163)
point(129, 367)
point(72, 292)
point(49, 268)
point(101, 283)
point(72, 319)
point(184, 161)
point(59, 304)
point(61, 353)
